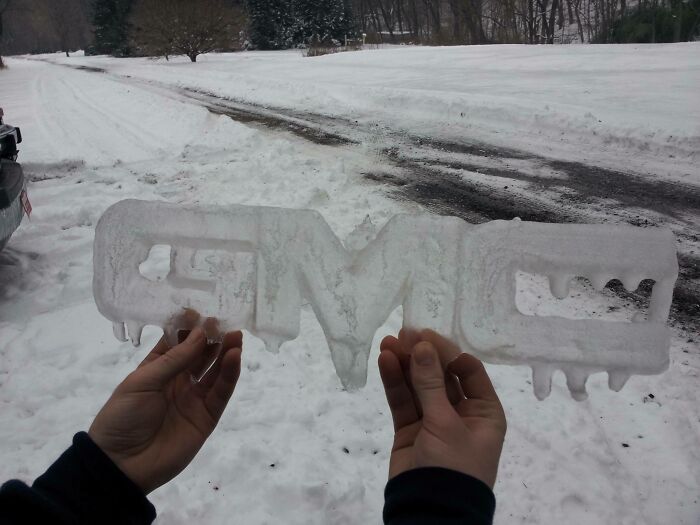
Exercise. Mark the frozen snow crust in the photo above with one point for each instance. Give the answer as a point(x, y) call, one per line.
point(253, 267)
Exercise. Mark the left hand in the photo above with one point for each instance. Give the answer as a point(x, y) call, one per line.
point(446, 412)
point(159, 416)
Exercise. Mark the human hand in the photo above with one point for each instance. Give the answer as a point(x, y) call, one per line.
point(160, 416)
point(446, 413)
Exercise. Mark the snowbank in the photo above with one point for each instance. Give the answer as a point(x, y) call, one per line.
point(620, 106)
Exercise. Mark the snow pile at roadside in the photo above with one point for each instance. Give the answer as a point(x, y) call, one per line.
point(595, 104)
point(292, 447)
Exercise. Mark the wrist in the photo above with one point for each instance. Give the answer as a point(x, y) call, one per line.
point(444, 492)
point(86, 480)
point(120, 461)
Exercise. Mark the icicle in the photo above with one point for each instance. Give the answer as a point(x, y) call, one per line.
point(272, 342)
point(660, 302)
point(542, 380)
point(576, 381)
point(119, 331)
point(559, 285)
point(134, 328)
point(617, 380)
point(350, 359)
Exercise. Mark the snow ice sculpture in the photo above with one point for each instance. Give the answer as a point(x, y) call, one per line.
point(253, 267)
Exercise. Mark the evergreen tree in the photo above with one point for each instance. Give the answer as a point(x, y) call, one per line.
point(320, 21)
point(285, 23)
point(271, 23)
point(676, 21)
point(111, 21)
point(351, 29)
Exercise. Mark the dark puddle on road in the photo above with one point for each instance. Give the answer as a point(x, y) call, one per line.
point(315, 135)
point(87, 68)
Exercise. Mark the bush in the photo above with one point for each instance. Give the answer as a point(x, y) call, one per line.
point(183, 27)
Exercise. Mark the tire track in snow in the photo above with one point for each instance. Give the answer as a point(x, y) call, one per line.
point(479, 182)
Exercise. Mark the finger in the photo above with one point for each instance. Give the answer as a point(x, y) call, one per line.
point(403, 355)
point(205, 362)
point(231, 340)
point(447, 350)
point(178, 359)
point(398, 395)
point(454, 391)
point(428, 378)
point(453, 388)
point(218, 396)
point(395, 345)
point(475, 382)
point(409, 338)
point(211, 329)
point(390, 343)
point(186, 321)
point(190, 318)
point(158, 350)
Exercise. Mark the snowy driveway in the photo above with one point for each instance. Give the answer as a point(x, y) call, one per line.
point(293, 442)
point(597, 173)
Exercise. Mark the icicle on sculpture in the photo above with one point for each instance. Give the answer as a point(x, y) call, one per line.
point(253, 267)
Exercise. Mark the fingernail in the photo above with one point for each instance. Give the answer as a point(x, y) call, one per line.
point(424, 355)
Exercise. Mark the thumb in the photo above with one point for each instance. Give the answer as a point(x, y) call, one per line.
point(428, 380)
point(176, 360)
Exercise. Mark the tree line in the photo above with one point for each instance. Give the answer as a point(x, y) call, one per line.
point(192, 27)
point(120, 27)
point(446, 22)
point(39, 26)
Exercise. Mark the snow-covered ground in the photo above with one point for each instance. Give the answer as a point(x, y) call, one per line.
point(584, 103)
point(293, 447)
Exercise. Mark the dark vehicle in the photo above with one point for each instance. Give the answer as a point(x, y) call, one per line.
point(14, 202)
point(10, 136)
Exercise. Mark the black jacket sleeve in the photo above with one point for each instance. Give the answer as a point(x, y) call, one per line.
point(83, 486)
point(437, 496)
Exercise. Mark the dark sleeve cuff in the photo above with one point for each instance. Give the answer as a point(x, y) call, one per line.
point(437, 496)
point(91, 488)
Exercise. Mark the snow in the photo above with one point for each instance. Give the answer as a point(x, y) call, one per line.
point(278, 455)
point(577, 102)
point(251, 267)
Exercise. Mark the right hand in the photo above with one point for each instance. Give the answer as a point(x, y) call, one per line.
point(444, 416)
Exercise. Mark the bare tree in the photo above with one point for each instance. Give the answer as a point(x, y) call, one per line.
point(64, 14)
point(38, 26)
point(4, 8)
point(484, 21)
point(171, 27)
point(154, 30)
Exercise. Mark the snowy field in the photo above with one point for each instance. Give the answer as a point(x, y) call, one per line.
point(278, 129)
